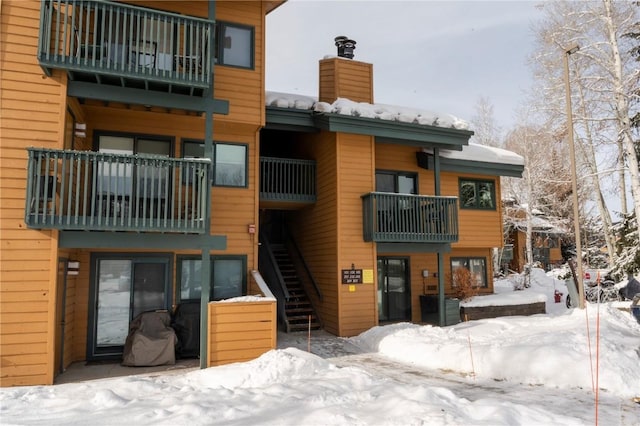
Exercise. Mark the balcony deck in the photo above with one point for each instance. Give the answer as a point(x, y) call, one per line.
point(93, 191)
point(117, 44)
point(406, 218)
point(287, 183)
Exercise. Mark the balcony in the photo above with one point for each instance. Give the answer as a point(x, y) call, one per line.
point(406, 218)
point(287, 181)
point(93, 191)
point(122, 45)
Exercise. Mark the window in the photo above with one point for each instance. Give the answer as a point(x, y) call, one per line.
point(229, 161)
point(229, 277)
point(477, 266)
point(234, 45)
point(398, 182)
point(477, 194)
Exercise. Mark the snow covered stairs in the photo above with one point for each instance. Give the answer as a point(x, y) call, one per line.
point(298, 308)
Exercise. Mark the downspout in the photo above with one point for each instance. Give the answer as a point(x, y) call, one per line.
point(439, 254)
point(206, 278)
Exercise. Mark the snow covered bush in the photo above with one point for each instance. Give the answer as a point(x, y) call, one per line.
point(627, 248)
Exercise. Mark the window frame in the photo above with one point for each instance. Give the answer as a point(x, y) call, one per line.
point(219, 44)
point(477, 198)
point(466, 262)
point(179, 266)
point(396, 175)
point(245, 184)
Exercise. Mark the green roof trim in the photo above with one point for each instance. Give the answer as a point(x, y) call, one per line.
point(409, 132)
point(477, 167)
point(384, 130)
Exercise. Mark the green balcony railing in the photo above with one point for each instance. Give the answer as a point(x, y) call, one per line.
point(396, 218)
point(287, 180)
point(85, 190)
point(121, 43)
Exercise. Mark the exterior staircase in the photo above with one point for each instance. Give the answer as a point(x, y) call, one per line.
point(298, 308)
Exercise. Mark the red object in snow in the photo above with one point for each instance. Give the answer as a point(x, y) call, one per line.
point(557, 296)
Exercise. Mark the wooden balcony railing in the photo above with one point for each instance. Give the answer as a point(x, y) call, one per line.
point(396, 218)
point(85, 190)
point(119, 43)
point(287, 180)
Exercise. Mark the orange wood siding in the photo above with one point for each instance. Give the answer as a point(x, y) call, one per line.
point(316, 228)
point(32, 105)
point(243, 88)
point(356, 177)
point(478, 228)
point(240, 331)
point(345, 78)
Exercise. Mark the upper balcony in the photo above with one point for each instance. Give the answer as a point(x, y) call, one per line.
point(407, 218)
point(287, 182)
point(121, 45)
point(96, 191)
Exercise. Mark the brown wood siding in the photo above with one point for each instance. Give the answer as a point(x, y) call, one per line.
point(345, 78)
point(240, 331)
point(32, 105)
point(356, 177)
point(316, 228)
point(478, 228)
point(243, 88)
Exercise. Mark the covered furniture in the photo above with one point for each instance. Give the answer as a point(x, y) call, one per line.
point(151, 340)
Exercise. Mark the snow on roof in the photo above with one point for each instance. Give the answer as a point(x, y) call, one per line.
point(485, 154)
point(345, 106)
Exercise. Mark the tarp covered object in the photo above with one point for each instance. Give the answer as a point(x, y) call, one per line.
point(151, 341)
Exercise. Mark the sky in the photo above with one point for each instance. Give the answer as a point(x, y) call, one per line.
point(436, 55)
point(536, 370)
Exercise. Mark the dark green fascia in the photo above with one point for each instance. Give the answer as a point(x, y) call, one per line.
point(290, 119)
point(478, 167)
point(130, 240)
point(418, 144)
point(427, 135)
point(413, 247)
point(81, 89)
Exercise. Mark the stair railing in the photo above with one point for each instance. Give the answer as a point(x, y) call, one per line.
point(269, 269)
point(305, 266)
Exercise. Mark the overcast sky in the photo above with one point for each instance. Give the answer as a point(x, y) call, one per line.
point(435, 55)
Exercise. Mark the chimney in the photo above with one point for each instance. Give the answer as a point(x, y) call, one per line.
point(343, 77)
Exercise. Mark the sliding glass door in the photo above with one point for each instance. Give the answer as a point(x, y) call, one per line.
point(122, 288)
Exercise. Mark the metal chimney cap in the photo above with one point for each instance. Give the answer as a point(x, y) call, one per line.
point(346, 46)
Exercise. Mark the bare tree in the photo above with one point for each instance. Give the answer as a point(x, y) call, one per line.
point(600, 74)
point(485, 128)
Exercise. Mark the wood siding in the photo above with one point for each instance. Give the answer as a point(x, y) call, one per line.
point(345, 78)
point(240, 331)
point(355, 178)
point(243, 88)
point(478, 228)
point(316, 228)
point(32, 105)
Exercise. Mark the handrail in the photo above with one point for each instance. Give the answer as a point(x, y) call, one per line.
point(391, 217)
point(305, 265)
point(287, 179)
point(262, 284)
point(267, 264)
point(272, 258)
point(87, 190)
point(121, 40)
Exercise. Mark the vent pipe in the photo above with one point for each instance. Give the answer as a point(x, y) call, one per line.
point(346, 46)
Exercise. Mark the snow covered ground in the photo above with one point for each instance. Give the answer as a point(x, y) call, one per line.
point(537, 370)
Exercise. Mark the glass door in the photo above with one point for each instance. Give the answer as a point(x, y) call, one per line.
point(122, 289)
point(394, 296)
